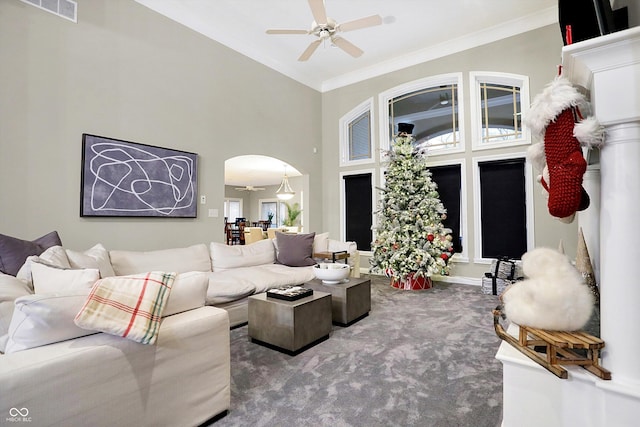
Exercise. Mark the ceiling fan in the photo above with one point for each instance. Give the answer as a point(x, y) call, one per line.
point(325, 28)
point(249, 188)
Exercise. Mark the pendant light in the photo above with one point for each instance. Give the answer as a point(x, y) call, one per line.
point(285, 192)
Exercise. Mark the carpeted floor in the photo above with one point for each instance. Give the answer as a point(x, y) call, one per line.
point(421, 358)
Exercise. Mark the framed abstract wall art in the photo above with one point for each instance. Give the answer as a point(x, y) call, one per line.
point(127, 179)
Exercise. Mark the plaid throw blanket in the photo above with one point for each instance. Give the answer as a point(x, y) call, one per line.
point(127, 306)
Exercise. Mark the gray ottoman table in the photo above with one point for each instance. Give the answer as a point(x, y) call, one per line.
point(351, 300)
point(292, 326)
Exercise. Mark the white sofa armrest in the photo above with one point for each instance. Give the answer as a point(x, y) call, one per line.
point(104, 380)
point(352, 250)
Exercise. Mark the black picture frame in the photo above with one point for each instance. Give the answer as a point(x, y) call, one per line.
point(128, 179)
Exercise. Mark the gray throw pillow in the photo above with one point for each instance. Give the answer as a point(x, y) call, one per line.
point(14, 251)
point(295, 250)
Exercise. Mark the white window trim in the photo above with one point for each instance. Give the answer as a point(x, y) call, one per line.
point(234, 199)
point(428, 82)
point(464, 226)
point(344, 133)
point(507, 79)
point(343, 222)
point(529, 188)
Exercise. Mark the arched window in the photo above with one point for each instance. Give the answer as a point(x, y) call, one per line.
point(433, 106)
point(356, 135)
point(498, 102)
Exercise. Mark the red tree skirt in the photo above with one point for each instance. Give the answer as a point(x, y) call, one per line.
point(411, 283)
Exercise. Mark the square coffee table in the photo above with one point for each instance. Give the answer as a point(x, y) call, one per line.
point(350, 301)
point(292, 326)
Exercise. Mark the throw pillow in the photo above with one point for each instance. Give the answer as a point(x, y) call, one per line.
point(10, 289)
point(295, 250)
point(180, 260)
point(51, 280)
point(128, 306)
point(14, 251)
point(188, 292)
point(54, 256)
point(44, 319)
point(320, 243)
point(225, 257)
point(95, 257)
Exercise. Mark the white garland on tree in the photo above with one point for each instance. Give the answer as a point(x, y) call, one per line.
point(410, 236)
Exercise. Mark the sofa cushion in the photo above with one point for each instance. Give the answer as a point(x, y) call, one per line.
point(44, 319)
point(180, 260)
point(295, 250)
point(259, 277)
point(14, 251)
point(11, 288)
point(95, 257)
point(188, 292)
point(128, 306)
point(225, 257)
point(50, 280)
point(55, 256)
point(230, 285)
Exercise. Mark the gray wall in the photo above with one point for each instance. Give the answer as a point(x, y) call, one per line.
point(126, 72)
point(535, 54)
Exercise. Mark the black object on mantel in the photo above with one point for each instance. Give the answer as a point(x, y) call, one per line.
point(589, 19)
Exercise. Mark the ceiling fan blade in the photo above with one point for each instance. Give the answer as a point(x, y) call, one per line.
point(276, 31)
point(318, 11)
point(347, 46)
point(356, 24)
point(309, 50)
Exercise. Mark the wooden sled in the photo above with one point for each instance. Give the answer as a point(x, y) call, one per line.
point(560, 346)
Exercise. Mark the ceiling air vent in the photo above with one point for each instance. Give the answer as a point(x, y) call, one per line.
point(66, 9)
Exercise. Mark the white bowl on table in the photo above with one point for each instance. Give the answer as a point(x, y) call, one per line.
point(331, 273)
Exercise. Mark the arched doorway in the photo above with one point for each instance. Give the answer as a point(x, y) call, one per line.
point(251, 186)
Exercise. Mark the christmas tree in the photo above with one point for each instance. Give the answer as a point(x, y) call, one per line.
point(411, 241)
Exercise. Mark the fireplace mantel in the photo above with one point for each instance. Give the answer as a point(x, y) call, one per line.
point(607, 68)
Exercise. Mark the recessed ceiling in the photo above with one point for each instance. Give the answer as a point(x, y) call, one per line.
point(256, 170)
point(413, 31)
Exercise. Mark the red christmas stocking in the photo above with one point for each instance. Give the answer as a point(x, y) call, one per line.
point(566, 166)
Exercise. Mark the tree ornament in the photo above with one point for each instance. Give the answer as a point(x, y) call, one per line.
point(430, 237)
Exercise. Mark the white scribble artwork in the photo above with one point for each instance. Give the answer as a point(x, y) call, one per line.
point(128, 179)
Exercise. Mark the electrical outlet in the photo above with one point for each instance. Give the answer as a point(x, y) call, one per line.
point(203, 200)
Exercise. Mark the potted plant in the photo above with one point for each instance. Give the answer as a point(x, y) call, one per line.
point(293, 212)
point(270, 217)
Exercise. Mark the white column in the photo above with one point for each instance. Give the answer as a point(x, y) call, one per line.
point(608, 67)
point(620, 252)
point(589, 219)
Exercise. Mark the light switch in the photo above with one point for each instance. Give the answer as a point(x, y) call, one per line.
point(213, 213)
point(203, 200)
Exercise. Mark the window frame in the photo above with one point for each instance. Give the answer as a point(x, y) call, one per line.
point(464, 225)
point(476, 78)
point(343, 213)
point(344, 122)
point(529, 209)
point(277, 218)
point(413, 86)
point(227, 207)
